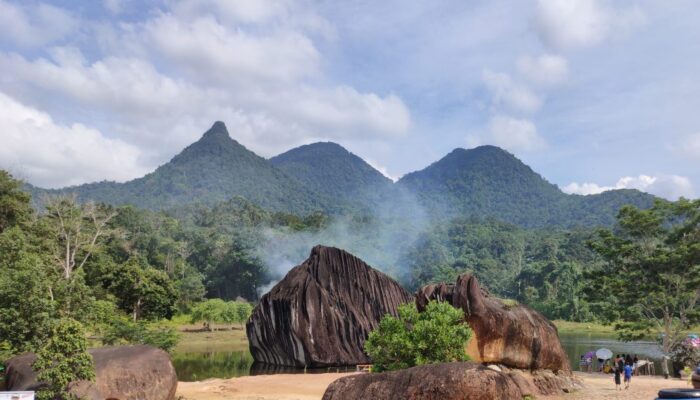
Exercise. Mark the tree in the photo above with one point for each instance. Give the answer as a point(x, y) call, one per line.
point(651, 279)
point(14, 203)
point(143, 291)
point(26, 309)
point(62, 360)
point(77, 229)
point(438, 334)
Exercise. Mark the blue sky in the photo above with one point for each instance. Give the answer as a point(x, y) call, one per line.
point(592, 94)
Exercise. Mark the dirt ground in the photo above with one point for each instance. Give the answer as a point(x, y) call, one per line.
point(312, 386)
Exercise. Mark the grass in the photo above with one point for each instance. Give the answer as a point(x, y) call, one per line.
point(583, 327)
point(218, 340)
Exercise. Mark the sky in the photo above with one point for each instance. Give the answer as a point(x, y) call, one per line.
point(592, 94)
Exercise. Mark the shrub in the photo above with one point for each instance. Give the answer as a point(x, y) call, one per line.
point(438, 334)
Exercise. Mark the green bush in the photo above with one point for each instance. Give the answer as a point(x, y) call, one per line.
point(438, 334)
point(123, 331)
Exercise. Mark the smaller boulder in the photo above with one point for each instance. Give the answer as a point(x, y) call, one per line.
point(122, 372)
point(444, 381)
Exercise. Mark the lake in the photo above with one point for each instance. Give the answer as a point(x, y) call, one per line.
point(192, 366)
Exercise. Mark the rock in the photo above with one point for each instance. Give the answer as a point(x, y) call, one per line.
point(696, 379)
point(122, 372)
point(321, 313)
point(445, 381)
point(511, 335)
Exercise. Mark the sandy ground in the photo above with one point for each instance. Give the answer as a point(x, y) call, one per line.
point(312, 386)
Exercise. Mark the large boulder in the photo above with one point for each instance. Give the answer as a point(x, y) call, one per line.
point(445, 381)
point(122, 372)
point(508, 334)
point(321, 313)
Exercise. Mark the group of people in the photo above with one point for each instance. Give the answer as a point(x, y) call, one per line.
point(624, 365)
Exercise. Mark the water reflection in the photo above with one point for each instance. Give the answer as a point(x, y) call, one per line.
point(199, 366)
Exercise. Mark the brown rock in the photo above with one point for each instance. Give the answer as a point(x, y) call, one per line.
point(512, 335)
point(445, 381)
point(321, 313)
point(696, 380)
point(122, 372)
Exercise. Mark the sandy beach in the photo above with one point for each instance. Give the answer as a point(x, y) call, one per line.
point(312, 386)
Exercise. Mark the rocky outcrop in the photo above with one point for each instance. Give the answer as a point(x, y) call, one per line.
point(445, 381)
point(321, 313)
point(452, 381)
point(122, 372)
point(512, 335)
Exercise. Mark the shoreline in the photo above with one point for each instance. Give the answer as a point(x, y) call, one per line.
point(312, 386)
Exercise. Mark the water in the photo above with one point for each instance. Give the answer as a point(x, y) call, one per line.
point(576, 344)
point(229, 364)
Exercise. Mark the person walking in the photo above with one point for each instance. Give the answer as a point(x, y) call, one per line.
point(628, 376)
point(617, 371)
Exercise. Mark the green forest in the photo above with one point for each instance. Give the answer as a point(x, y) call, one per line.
point(117, 272)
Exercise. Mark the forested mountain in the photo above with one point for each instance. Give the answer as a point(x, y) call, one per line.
point(490, 182)
point(214, 169)
point(336, 173)
point(485, 182)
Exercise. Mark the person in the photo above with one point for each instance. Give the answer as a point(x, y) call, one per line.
point(620, 362)
point(628, 360)
point(617, 371)
point(628, 376)
point(635, 364)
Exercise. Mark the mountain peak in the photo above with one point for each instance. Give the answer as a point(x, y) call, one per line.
point(217, 130)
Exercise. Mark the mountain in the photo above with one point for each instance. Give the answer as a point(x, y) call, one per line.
point(211, 170)
point(489, 182)
point(485, 182)
point(334, 172)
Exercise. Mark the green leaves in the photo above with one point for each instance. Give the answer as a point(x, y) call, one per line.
point(438, 334)
point(652, 273)
point(63, 359)
point(220, 311)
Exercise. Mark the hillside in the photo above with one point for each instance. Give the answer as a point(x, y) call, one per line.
point(211, 170)
point(336, 173)
point(490, 182)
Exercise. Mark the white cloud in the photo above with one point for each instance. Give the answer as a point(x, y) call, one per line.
point(546, 69)
point(266, 84)
point(33, 25)
point(213, 52)
point(54, 155)
point(563, 24)
point(667, 186)
point(515, 134)
point(506, 92)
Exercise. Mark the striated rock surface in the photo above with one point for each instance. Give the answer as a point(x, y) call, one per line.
point(513, 335)
point(122, 372)
point(321, 313)
point(445, 381)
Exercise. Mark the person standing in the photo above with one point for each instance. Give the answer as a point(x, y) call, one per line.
point(628, 376)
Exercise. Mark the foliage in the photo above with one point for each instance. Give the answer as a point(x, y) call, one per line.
point(124, 331)
point(143, 291)
point(14, 202)
point(685, 353)
point(62, 360)
point(651, 280)
point(541, 268)
point(438, 334)
point(220, 311)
